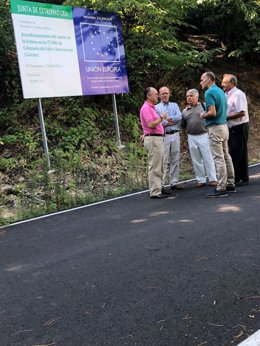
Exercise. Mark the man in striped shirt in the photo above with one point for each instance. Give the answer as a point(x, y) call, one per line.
point(171, 154)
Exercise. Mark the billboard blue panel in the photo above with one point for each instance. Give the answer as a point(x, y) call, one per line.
point(101, 53)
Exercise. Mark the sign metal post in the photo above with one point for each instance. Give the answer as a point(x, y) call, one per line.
point(118, 139)
point(44, 137)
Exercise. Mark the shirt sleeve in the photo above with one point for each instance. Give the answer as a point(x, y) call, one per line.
point(177, 115)
point(240, 102)
point(148, 115)
point(210, 101)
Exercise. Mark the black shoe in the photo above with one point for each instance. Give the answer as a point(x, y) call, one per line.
point(165, 191)
point(241, 183)
point(177, 187)
point(161, 195)
point(217, 193)
point(231, 188)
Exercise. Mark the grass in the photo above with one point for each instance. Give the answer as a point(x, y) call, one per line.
point(73, 183)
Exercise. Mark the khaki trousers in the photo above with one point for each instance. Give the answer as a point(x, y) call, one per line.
point(154, 147)
point(218, 137)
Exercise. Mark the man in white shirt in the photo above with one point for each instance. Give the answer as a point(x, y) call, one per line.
point(237, 120)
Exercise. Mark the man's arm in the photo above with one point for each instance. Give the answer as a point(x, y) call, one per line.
point(236, 115)
point(176, 117)
point(211, 113)
point(154, 123)
point(157, 121)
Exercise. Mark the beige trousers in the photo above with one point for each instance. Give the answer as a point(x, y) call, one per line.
point(154, 147)
point(218, 136)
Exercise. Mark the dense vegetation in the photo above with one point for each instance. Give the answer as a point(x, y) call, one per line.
point(166, 42)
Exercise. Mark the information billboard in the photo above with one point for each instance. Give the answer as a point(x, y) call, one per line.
point(68, 51)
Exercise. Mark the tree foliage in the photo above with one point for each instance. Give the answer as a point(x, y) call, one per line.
point(234, 23)
point(9, 74)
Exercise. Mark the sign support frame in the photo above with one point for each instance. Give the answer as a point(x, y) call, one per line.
point(44, 137)
point(118, 138)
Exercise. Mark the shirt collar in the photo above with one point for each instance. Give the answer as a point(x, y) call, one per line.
point(190, 107)
point(149, 104)
point(231, 91)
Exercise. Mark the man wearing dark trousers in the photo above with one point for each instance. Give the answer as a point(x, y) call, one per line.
point(237, 120)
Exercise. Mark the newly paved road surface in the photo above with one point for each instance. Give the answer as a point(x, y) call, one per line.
point(135, 271)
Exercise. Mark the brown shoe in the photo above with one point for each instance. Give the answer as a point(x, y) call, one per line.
point(213, 183)
point(200, 184)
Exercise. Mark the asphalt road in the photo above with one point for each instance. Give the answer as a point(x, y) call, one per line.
point(135, 271)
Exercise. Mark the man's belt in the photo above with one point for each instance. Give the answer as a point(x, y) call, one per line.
point(171, 132)
point(211, 125)
point(154, 134)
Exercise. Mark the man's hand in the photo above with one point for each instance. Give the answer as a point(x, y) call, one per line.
point(164, 116)
point(142, 138)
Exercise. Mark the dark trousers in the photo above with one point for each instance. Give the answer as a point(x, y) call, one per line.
point(238, 137)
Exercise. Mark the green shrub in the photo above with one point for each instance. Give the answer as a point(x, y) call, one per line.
point(8, 164)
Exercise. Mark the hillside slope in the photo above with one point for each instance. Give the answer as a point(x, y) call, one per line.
point(87, 162)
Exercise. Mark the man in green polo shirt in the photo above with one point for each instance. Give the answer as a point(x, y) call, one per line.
point(215, 119)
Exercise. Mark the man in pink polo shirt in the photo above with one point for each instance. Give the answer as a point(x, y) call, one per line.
point(153, 141)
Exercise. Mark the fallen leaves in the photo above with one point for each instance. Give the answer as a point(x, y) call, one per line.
point(52, 321)
point(241, 333)
point(187, 317)
point(215, 324)
point(250, 297)
point(162, 324)
point(22, 331)
point(236, 337)
point(203, 258)
point(51, 344)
